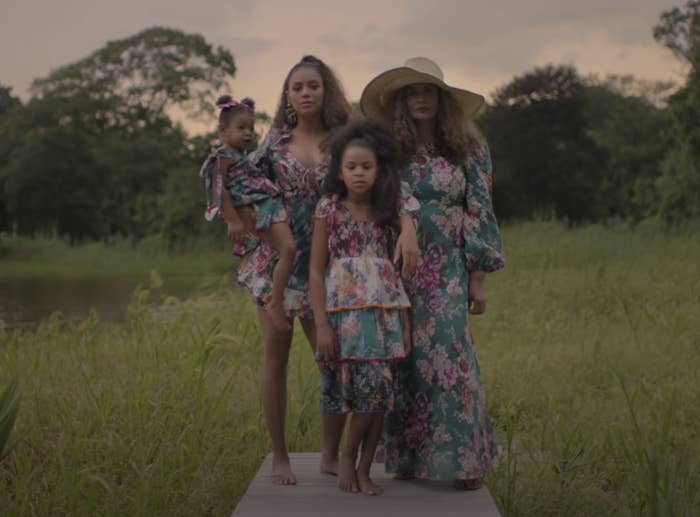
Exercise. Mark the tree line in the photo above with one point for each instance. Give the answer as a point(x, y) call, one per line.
point(96, 152)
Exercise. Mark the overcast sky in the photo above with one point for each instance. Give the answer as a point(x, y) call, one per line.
point(480, 44)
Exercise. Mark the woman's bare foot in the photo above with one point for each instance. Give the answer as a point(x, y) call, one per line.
point(279, 318)
point(470, 484)
point(404, 476)
point(367, 486)
point(282, 473)
point(347, 479)
point(329, 466)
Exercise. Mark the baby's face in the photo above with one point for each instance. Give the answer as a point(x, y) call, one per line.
point(240, 131)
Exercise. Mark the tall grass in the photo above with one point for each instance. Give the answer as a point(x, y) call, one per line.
point(160, 416)
point(589, 352)
point(590, 355)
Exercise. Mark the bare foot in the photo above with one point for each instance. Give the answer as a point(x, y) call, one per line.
point(279, 318)
point(367, 486)
point(347, 479)
point(470, 484)
point(329, 467)
point(282, 473)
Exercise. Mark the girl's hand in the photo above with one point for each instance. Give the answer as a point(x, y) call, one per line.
point(236, 230)
point(325, 341)
point(477, 293)
point(407, 250)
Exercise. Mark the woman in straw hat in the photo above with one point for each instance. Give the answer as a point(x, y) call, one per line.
point(440, 428)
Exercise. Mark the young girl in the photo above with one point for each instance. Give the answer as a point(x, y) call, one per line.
point(358, 301)
point(228, 167)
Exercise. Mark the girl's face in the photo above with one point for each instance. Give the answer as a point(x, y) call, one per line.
point(239, 133)
point(305, 91)
point(358, 170)
point(422, 101)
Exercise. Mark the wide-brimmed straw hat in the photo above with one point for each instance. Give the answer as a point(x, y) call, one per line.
point(376, 97)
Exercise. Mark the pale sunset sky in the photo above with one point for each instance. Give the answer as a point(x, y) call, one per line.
point(480, 44)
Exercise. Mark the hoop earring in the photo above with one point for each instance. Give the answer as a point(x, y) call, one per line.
point(290, 114)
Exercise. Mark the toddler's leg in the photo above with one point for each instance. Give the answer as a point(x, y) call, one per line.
point(280, 237)
point(360, 424)
point(369, 447)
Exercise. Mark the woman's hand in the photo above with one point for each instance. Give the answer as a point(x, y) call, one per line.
point(247, 215)
point(477, 293)
point(407, 249)
point(325, 341)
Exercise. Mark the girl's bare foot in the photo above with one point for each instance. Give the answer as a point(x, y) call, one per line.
point(279, 318)
point(329, 466)
point(347, 479)
point(282, 473)
point(367, 485)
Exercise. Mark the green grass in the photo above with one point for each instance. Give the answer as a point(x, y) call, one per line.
point(21, 257)
point(589, 352)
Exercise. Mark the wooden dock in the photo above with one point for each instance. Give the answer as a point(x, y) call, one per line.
point(316, 494)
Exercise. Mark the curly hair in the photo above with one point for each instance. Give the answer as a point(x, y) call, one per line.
point(387, 186)
point(455, 137)
point(335, 110)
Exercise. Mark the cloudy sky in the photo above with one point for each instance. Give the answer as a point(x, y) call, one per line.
point(480, 44)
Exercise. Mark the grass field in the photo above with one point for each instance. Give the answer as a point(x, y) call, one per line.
point(589, 350)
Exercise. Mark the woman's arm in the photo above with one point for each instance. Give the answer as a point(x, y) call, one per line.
point(317, 288)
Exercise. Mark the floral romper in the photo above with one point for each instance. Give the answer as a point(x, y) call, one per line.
point(246, 185)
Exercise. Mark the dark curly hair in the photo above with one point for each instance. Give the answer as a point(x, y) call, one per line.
point(455, 137)
point(228, 112)
point(387, 186)
point(336, 109)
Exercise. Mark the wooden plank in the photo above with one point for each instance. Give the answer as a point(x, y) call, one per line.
point(316, 494)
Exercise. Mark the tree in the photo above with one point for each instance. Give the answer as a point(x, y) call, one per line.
point(96, 145)
point(547, 164)
point(679, 30)
point(136, 79)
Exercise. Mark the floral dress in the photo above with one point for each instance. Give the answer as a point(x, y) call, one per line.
point(364, 300)
point(440, 428)
point(246, 185)
point(301, 187)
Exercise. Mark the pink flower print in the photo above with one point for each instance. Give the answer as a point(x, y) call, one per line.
point(467, 399)
point(421, 160)
point(440, 435)
point(463, 365)
point(426, 370)
point(447, 375)
point(435, 301)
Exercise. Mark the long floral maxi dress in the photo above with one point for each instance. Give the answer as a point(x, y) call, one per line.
point(364, 300)
point(440, 428)
point(300, 190)
point(246, 185)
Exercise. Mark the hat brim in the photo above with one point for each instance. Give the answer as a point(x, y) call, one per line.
point(375, 100)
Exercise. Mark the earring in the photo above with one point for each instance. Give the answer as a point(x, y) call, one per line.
point(290, 114)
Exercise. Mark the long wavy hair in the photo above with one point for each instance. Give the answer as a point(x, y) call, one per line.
point(336, 109)
point(455, 136)
point(387, 185)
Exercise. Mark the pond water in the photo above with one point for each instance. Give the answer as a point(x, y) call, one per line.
point(24, 302)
